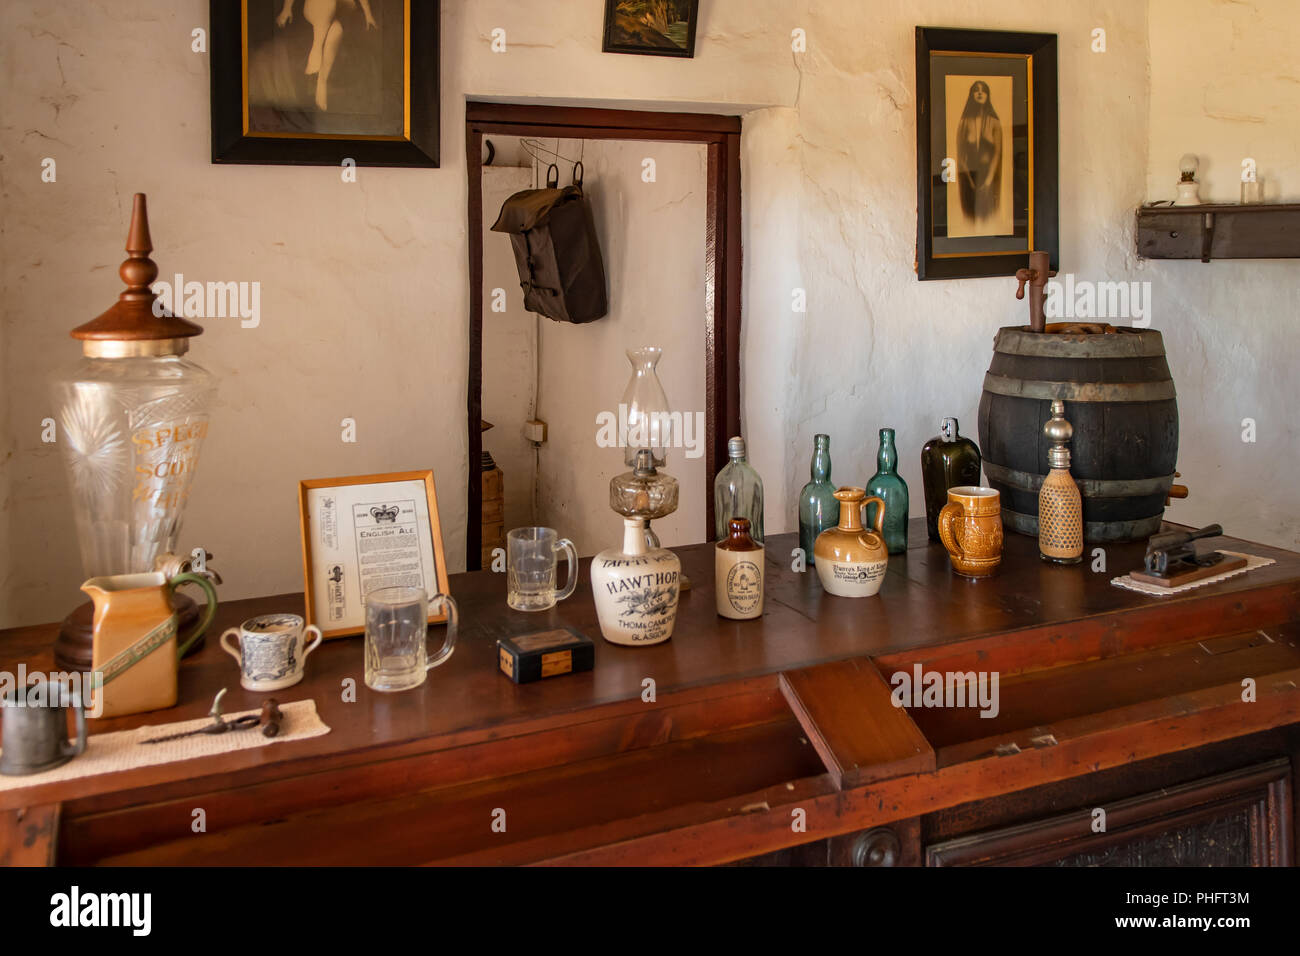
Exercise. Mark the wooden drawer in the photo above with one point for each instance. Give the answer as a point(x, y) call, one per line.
point(665, 766)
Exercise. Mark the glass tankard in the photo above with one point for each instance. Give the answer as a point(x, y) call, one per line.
point(397, 624)
point(531, 558)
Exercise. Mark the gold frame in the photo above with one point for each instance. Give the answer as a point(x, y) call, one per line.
point(1029, 93)
point(435, 532)
point(406, 87)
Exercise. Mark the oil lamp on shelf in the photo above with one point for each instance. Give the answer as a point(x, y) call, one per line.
point(133, 414)
point(637, 586)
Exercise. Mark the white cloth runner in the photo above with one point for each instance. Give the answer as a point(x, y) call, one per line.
point(1252, 562)
point(123, 750)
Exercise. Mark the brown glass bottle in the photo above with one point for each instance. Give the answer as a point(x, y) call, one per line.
point(947, 461)
point(738, 573)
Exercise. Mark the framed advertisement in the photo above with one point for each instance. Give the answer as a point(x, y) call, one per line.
point(986, 152)
point(363, 533)
point(302, 83)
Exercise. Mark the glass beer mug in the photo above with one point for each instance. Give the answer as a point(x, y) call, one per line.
point(397, 624)
point(532, 555)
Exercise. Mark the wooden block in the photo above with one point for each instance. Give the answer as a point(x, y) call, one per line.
point(493, 483)
point(850, 719)
point(494, 511)
point(1187, 577)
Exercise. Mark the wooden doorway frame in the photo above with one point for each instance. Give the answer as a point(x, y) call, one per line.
point(722, 254)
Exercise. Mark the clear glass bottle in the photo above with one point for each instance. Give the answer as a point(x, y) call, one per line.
point(887, 484)
point(818, 508)
point(737, 493)
point(1060, 506)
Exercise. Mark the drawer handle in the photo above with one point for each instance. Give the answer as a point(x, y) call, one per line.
point(878, 847)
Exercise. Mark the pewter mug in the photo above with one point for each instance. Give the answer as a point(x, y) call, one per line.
point(36, 728)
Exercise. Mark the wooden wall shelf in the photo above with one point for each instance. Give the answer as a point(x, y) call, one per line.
point(1219, 231)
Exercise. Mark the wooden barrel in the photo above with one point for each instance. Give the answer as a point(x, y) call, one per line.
point(1118, 395)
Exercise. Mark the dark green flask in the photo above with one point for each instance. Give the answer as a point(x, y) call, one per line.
point(947, 461)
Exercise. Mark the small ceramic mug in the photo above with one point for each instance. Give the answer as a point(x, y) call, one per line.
point(271, 654)
point(970, 526)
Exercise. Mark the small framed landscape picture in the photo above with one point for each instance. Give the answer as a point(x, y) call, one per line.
point(986, 151)
point(314, 83)
point(651, 27)
point(364, 533)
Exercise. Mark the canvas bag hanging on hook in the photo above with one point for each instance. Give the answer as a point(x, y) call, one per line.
point(554, 240)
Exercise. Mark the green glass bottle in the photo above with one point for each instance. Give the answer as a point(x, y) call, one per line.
point(886, 484)
point(737, 493)
point(818, 509)
point(947, 461)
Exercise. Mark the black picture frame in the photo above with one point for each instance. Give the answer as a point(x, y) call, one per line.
point(609, 45)
point(418, 147)
point(1041, 201)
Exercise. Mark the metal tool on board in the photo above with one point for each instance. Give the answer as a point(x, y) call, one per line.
point(1172, 552)
point(269, 720)
point(1172, 558)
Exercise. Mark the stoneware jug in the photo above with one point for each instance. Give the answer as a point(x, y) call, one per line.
point(636, 589)
point(851, 560)
point(136, 649)
point(36, 728)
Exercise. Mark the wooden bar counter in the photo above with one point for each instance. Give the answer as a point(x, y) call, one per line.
point(768, 741)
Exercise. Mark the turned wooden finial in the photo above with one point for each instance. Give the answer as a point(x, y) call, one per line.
point(132, 318)
point(138, 271)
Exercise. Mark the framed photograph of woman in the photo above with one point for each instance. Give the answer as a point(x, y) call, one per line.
point(986, 151)
point(317, 82)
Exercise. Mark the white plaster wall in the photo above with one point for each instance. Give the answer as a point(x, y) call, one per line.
point(365, 286)
point(508, 352)
point(652, 240)
point(1225, 84)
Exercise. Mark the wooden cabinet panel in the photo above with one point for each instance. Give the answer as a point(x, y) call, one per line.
point(1242, 818)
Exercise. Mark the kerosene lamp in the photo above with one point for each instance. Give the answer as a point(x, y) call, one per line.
point(636, 587)
point(132, 417)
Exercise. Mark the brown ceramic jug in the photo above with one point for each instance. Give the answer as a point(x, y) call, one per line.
point(851, 560)
point(738, 573)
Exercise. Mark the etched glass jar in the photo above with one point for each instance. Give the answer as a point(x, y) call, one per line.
point(132, 427)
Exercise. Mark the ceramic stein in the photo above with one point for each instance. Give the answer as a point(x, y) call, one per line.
point(271, 652)
point(851, 560)
point(970, 526)
point(36, 728)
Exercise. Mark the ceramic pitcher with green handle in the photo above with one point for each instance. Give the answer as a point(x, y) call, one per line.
point(136, 648)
